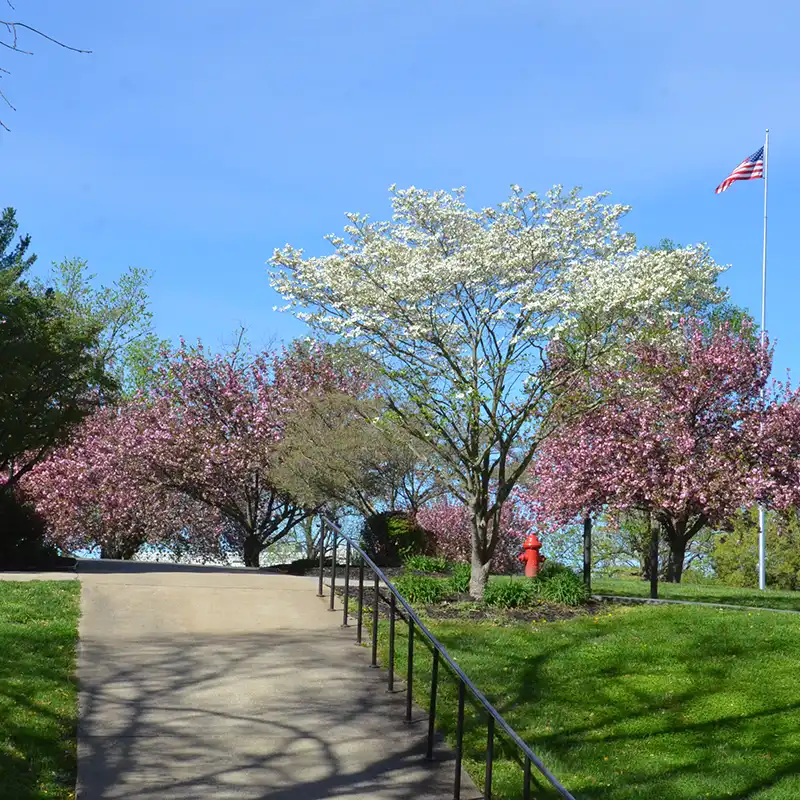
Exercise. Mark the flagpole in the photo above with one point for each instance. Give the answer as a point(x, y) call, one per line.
point(762, 536)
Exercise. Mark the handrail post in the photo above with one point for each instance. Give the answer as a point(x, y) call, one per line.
point(360, 618)
point(487, 792)
point(346, 585)
point(392, 611)
point(526, 788)
point(322, 527)
point(333, 570)
point(376, 586)
point(462, 693)
point(432, 711)
point(410, 669)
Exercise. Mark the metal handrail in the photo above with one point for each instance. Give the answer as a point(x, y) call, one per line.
point(439, 653)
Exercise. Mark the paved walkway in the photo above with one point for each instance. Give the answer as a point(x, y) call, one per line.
point(201, 682)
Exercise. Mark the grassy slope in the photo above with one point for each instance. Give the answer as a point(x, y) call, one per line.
point(667, 702)
point(770, 598)
point(38, 698)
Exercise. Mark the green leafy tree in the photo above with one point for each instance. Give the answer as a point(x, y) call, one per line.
point(127, 346)
point(622, 542)
point(333, 451)
point(735, 555)
point(13, 259)
point(49, 363)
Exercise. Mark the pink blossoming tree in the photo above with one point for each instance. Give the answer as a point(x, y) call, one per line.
point(676, 435)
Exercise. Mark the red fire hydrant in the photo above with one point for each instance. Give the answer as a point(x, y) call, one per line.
point(531, 557)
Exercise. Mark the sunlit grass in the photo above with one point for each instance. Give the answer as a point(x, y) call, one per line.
point(632, 587)
point(666, 702)
point(38, 693)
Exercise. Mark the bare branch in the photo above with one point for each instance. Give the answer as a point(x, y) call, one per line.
point(12, 28)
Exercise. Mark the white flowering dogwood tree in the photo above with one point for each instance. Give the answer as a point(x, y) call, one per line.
point(483, 320)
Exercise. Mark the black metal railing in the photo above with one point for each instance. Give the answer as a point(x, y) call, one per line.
point(416, 627)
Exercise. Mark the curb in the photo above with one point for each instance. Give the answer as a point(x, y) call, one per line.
point(615, 598)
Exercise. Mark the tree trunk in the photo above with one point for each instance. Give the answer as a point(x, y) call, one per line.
point(644, 562)
point(677, 556)
point(481, 559)
point(479, 576)
point(121, 548)
point(587, 553)
point(311, 544)
point(252, 551)
point(678, 532)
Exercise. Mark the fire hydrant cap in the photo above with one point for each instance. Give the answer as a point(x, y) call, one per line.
point(532, 542)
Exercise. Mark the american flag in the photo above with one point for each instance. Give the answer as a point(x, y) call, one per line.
point(750, 168)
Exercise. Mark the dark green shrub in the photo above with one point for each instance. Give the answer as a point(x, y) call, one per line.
point(551, 568)
point(22, 534)
point(562, 587)
point(390, 537)
point(460, 578)
point(427, 563)
point(513, 593)
point(423, 589)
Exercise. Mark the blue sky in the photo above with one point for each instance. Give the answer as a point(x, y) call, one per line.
point(200, 135)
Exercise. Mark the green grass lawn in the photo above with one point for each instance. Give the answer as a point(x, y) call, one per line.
point(663, 702)
point(771, 598)
point(38, 692)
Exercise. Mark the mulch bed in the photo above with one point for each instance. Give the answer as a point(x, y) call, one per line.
point(461, 607)
point(541, 612)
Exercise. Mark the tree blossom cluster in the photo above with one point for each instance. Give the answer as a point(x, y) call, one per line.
point(92, 492)
point(776, 482)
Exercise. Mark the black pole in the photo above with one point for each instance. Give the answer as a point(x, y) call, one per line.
point(526, 787)
point(333, 570)
point(360, 623)
point(376, 586)
point(432, 712)
point(462, 693)
point(410, 669)
point(392, 610)
point(587, 553)
point(346, 585)
point(487, 792)
point(654, 560)
point(321, 593)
